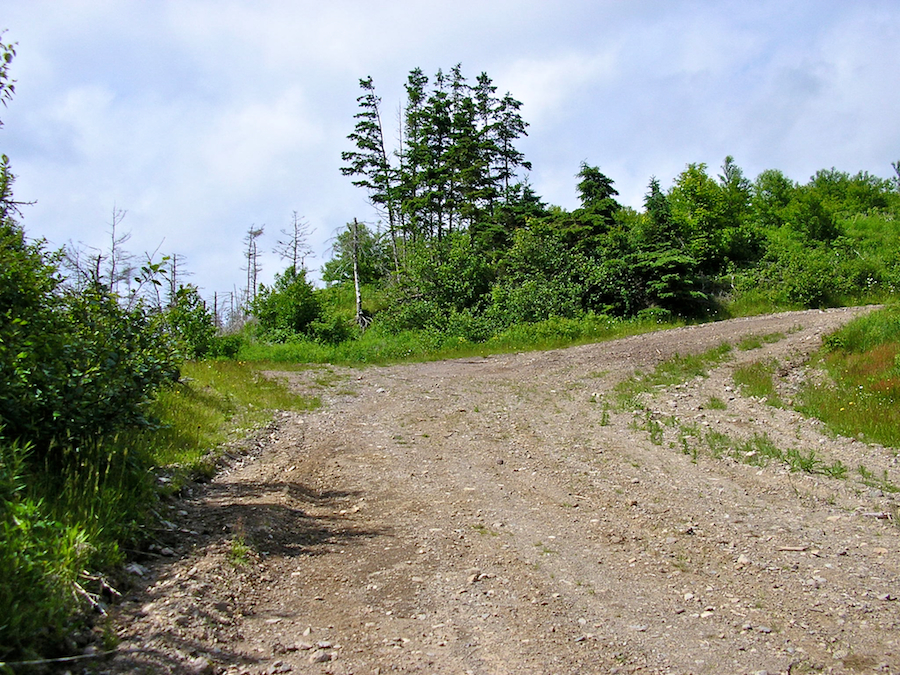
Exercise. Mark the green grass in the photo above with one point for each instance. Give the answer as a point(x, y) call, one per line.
point(672, 371)
point(216, 401)
point(99, 498)
point(880, 482)
point(757, 341)
point(378, 347)
point(759, 450)
point(756, 379)
point(715, 403)
point(863, 361)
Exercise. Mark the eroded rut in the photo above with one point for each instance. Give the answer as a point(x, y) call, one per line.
point(497, 515)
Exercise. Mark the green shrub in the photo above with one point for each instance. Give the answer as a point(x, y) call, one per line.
point(190, 323)
point(225, 346)
point(75, 366)
point(332, 328)
point(290, 304)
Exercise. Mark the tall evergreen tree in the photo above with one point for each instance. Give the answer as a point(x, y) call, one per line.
point(457, 158)
point(370, 161)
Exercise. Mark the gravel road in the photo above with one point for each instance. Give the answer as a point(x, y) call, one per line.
point(506, 515)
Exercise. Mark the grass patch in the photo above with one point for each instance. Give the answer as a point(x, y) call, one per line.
point(715, 403)
point(757, 379)
point(215, 402)
point(757, 341)
point(670, 372)
point(379, 347)
point(863, 398)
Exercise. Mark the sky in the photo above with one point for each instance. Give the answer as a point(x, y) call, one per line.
point(203, 118)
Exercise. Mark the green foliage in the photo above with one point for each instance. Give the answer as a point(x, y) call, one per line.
point(190, 323)
point(72, 365)
point(699, 209)
point(372, 252)
point(440, 279)
point(863, 359)
point(288, 307)
point(540, 277)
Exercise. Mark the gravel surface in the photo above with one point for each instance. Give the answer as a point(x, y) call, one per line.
point(503, 515)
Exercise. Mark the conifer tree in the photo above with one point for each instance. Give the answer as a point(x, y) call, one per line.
point(370, 161)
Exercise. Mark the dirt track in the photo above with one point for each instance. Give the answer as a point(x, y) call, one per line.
point(495, 516)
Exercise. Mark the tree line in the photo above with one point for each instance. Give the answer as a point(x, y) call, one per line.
point(464, 244)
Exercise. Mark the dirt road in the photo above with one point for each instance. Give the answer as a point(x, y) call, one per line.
point(500, 515)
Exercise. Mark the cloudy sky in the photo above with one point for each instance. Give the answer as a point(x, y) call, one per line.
point(201, 118)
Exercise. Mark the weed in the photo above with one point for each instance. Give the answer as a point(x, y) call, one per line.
point(545, 550)
point(718, 443)
point(484, 530)
point(687, 447)
point(239, 551)
point(755, 379)
point(715, 403)
point(882, 482)
point(797, 461)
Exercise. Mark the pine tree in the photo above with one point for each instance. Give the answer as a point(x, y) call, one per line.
point(370, 161)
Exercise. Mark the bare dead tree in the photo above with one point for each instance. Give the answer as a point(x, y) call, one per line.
point(176, 274)
point(251, 253)
point(118, 266)
point(294, 244)
point(361, 319)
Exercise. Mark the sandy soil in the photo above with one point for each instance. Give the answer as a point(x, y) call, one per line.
point(498, 515)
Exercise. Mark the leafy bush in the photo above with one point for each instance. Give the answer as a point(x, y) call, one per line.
point(72, 365)
point(225, 346)
point(289, 305)
point(332, 328)
point(190, 323)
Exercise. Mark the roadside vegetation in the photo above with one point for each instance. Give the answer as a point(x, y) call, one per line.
point(118, 383)
point(862, 398)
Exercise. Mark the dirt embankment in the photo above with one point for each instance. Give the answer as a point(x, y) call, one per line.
point(497, 516)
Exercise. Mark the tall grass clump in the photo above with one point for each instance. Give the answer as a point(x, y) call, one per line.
point(863, 397)
point(40, 561)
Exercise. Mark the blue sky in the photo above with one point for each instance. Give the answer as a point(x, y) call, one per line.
point(204, 117)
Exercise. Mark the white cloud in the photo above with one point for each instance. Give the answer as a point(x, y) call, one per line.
point(203, 116)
